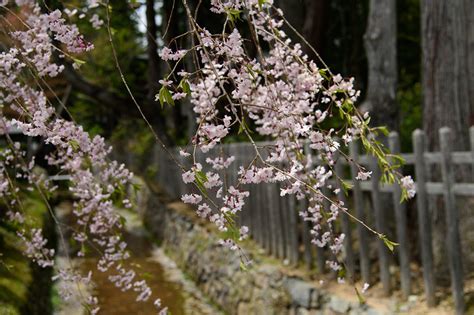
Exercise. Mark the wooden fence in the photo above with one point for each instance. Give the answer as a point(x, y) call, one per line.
point(275, 225)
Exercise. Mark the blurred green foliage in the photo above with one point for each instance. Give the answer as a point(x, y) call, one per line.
point(100, 68)
point(16, 274)
point(409, 91)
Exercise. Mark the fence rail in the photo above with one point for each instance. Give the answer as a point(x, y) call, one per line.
point(276, 226)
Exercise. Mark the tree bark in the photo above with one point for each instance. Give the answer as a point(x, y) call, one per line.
point(153, 70)
point(309, 18)
point(448, 69)
point(447, 29)
point(314, 24)
point(187, 108)
point(380, 41)
point(169, 29)
point(161, 121)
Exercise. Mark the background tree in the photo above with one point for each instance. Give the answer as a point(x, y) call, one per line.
point(381, 47)
point(447, 41)
point(448, 68)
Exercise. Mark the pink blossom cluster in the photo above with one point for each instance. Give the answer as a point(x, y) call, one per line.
point(409, 185)
point(36, 248)
point(286, 97)
point(94, 180)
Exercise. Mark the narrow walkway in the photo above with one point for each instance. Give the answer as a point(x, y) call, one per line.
point(166, 280)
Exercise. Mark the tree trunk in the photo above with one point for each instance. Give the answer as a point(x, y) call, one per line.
point(381, 48)
point(447, 29)
point(186, 106)
point(309, 18)
point(162, 122)
point(448, 69)
point(153, 70)
point(314, 24)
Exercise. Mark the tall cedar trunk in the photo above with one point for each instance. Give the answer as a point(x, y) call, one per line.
point(159, 122)
point(381, 48)
point(313, 25)
point(309, 18)
point(380, 41)
point(153, 70)
point(448, 69)
point(187, 108)
point(447, 29)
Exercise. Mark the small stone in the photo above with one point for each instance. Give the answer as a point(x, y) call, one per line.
point(315, 299)
point(299, 291)
point(404, 308)
point(412, 298)
point(302, 311)
point(338, 305)
point(371, 311)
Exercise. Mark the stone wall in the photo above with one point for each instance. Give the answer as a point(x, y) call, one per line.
point(263, 289)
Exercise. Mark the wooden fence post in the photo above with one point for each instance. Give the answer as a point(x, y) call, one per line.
point(424, 216)
point(345, 222)
point(271, 206)
point(452, 220)
point(264, 207)
point(360, 213)
point(249, 215)
point(320, 257)
point(292, 239)
point(280, 223)
point(306, 237)
point(384, 259)
point(401, 219)
point(255, 213)
point(471, 136)
point(239, 151)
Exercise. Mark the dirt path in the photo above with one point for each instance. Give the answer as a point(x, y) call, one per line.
point(162, 275)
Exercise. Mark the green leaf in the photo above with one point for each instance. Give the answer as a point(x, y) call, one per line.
point(201, 176)
point(201, 179)
point(78, 62)
point(390, 245)
point(346, 187)
point(404, 196)
point(243, 267)
point(382, 129)
point(322, 72)
point(184, 85)
point(359, 297)
point(261, 3)
point(75, 145)
point(341, 273)
point(123, 221)
point(250, 71)
point(165, 96)
point(243, 127)
point(233, 14)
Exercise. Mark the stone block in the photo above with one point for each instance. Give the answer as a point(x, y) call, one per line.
point(300, 292)
point(339, 305)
